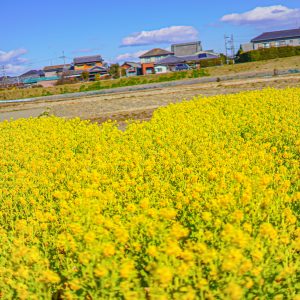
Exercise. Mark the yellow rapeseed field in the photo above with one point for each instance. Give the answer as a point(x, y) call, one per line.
point(202, 202)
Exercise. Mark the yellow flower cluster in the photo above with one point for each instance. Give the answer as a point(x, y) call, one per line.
point(202, 202)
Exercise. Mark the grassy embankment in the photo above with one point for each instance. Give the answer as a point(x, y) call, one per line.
point(16, 93)
point(260, 66)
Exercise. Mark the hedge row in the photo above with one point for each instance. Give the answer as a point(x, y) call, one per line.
point(268, 53)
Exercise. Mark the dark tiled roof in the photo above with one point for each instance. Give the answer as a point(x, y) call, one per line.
point(172, 60)
point(56, 68)
point(201, 56)
point(276, 35)
point(98, 69)
point(156, 52)
point(33, 73)
point(87, 59)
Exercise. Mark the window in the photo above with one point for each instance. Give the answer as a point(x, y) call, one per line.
point(282, 43)
point(149, 71)
point(266, 45)
point(159, 70)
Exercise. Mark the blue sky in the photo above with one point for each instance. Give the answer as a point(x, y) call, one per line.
point(34, 33)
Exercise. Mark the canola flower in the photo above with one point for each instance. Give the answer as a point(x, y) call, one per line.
point(202, 202)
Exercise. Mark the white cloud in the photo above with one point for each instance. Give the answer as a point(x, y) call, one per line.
point(13, 61)
point(172, 34)
point(11, 69)
point(12, 55)
point(276, 14)
point(130, 56)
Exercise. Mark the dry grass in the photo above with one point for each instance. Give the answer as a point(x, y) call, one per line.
point(259, 66)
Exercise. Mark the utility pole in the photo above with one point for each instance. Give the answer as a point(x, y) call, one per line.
point(3, 81)
point(229, 48)
point(63, 57)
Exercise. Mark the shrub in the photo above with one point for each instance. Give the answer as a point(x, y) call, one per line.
point(268, 53)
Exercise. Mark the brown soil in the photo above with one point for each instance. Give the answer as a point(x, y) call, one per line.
point(137, 105)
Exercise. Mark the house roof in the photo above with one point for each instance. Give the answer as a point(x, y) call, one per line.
point(170, 60)
point(276, 35)
point(202, 56)
point(156, 52)
point(73, 72)
point(87, 59)
point(33, 73)
point(56, 68)
point(132, 64)
point(97, 69)
point(173, 60)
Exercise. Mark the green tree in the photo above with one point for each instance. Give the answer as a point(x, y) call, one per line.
point(85, 75)
point(123, 72)
point(114, 70)
point(97, 77)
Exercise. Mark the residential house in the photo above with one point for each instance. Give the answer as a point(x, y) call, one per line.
point(168, 64)
point(132, 68)
point(247, 47)
point(85, 63)
point(149, 58)
point(160, 69)
point(28, 78)
point(171, 62)
point(8, 81)
point(185, 49)
point(77, 74)
point(100, 70)
point(92, 64)
point(37, 77)
point(32, 74)
point(277, 39)
point(57, 70)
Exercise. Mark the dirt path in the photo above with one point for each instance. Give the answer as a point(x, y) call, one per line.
point(136, 104)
